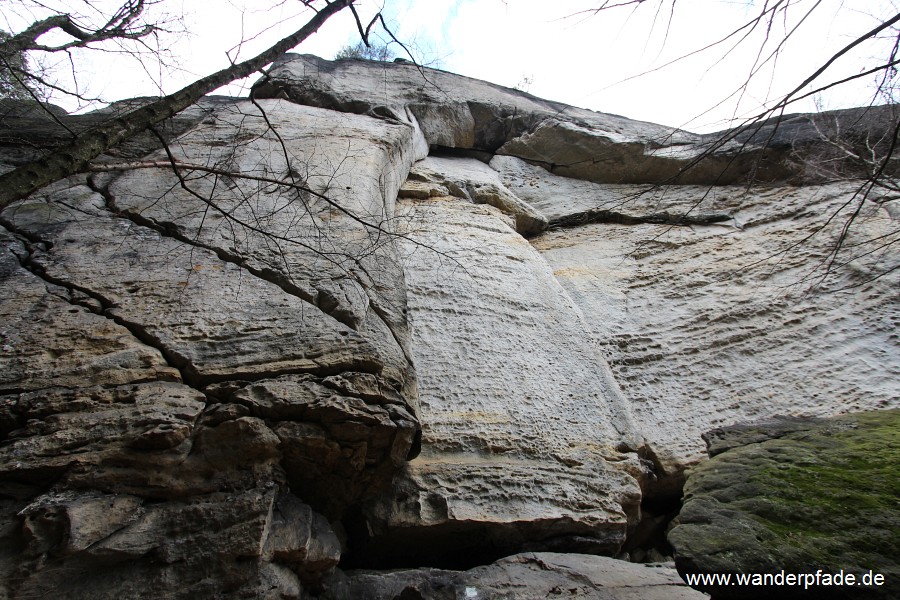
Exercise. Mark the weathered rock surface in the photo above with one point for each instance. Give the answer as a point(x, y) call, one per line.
point(322, 237)
point(458, 112)
point(530, 576)
point(212, 318)
point(452, 111)
point(706, 325)
point(187, 368)
point(820, 497)
point(49, 340)
point(31, 129)
point(531, 441)
point(246, 545)
point(469, 179)
point(337, 440)
point(290, 338)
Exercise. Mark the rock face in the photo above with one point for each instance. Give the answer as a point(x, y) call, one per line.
point(384, 317)
point(706, 322)
point(809, 499)
point(182, 363)
point(532, 441)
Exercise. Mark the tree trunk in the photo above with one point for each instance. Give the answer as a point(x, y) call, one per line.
point(75, 156)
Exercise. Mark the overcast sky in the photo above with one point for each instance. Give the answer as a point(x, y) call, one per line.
point(613, 61)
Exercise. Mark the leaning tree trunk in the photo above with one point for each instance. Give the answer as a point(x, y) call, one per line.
point(74, 157)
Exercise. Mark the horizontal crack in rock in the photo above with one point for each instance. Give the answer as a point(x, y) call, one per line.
point(596, 215)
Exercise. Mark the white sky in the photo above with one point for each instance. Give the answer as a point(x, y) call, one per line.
point(548, 49)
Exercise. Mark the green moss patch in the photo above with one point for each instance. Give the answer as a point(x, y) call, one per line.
point(823, 497)
point(837, 494)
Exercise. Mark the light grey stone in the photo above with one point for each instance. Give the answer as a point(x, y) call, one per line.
point(706, 326)
point(523, 427)
point(529, 576)
point(459, 112)
point(471, 179)
point(48, 339)
point(212, 318)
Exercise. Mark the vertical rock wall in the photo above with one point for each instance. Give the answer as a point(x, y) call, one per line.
point(189, 352)
point(287, 340)
point(708, 324)
point(526, 438)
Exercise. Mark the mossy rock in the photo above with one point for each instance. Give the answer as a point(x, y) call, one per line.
point(822, 497)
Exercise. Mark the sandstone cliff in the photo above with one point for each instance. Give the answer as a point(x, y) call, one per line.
point(391, 317)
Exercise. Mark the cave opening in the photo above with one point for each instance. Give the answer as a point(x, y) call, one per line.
point(464, 545)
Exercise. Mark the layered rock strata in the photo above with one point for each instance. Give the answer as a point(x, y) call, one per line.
point(396, 317)
point(189, 351)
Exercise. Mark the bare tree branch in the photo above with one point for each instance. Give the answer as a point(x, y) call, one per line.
point(75, 156)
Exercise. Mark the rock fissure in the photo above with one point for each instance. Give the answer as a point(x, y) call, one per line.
point(172, 230)
point(382, 314)
point(93, 301)
point(598, 215)
point(375, 304)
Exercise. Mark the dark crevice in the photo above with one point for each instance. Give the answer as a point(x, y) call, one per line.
point(659, 482)
point(27, 238)
point(448, 152)
point(462, 545)
point(15, 391)
point(661, 499)
point(94, 302)
point(596, 215)
point(647, 542)
point(171, 230)
point(453, 546)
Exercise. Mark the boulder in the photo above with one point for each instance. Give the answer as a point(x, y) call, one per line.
point(528, 576)
point(251, 544)
point(815, 499)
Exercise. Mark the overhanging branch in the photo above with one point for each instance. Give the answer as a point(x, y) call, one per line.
point(75, 157)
